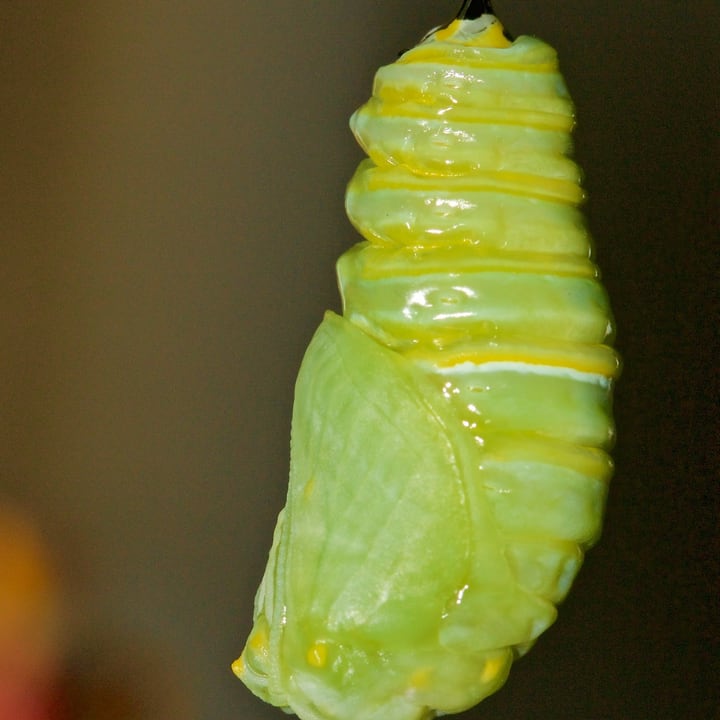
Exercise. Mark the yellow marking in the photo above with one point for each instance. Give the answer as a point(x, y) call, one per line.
point(516, 117)
point(317, 654)
point(512, 183)
point(258, 641)
point(447, 32)
point(309, 487)
point(598, 359)
point(492, 37)
point(492, 669)
point(238, 667)
point(420, 679)
point(432, 53)
point(378, 263)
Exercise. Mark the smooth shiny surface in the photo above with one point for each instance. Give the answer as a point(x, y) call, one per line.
point(450, 433)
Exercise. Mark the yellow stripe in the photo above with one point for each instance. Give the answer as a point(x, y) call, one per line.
point(429, 53)
point(594, 359)
point(377, 262)
point(532, 119)
point(504, 182)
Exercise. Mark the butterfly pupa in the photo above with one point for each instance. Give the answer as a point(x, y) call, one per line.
point(450, 433)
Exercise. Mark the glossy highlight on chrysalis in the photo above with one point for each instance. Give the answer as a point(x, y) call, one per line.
point(450, 435)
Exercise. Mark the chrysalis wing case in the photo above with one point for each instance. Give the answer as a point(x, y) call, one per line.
point(449, 459)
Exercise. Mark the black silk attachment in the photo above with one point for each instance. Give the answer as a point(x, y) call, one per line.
point(472, 9)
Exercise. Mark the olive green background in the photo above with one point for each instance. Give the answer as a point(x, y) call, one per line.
point(171, 208)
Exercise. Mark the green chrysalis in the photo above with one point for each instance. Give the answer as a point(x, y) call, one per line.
point(450, 432)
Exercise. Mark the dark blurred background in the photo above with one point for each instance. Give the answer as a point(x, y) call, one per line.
point(171, 208)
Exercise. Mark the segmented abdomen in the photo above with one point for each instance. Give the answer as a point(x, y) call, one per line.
point(477, 267)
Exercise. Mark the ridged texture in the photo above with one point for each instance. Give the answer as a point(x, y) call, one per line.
point(449, 444)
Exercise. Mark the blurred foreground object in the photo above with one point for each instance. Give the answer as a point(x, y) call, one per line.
point(29, 622)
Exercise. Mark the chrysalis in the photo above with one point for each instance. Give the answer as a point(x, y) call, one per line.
point(450, 431)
